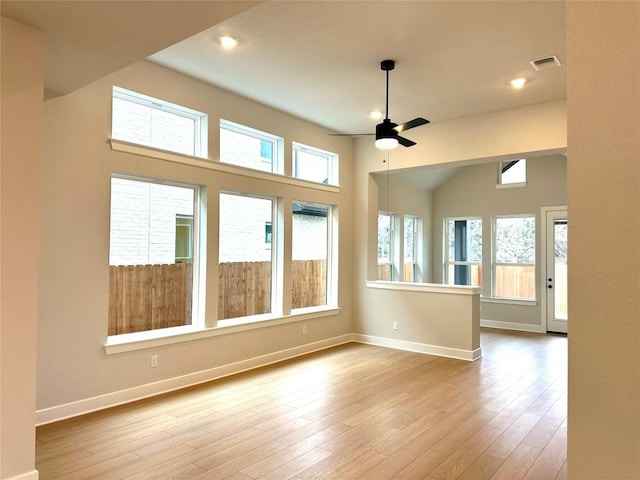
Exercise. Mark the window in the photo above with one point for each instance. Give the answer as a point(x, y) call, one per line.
point(251, 148)
point(152, 253)
point(310, 254)
point(314, 164)
point(463, 251)
point(385, 246)
point(410, 248)
point(267, 233)
point(512, 172)
point(184, 238)
point(514, 257)
point(148, 121)
point(245, 265)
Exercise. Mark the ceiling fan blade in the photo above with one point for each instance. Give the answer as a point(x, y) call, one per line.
point(405, 142)
point(349, 134)
point(416, 122)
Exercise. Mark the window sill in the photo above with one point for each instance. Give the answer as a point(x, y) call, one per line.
point(509, 301)
point(142, 150)
point(167, 336)
point(510, 185)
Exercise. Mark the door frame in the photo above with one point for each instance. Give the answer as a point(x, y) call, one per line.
point(543, 260)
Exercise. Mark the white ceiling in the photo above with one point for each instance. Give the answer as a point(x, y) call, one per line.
point(319, 60)
point(315, 59)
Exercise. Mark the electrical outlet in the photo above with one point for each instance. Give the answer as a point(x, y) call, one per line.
point(154, 361)
point(304, 329)
point(395, 325)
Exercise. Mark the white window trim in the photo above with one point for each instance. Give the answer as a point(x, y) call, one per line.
point(201, 143)
point(332, 161)
point(277, 163)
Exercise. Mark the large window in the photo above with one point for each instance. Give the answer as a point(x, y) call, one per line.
point(245, 280)
point(251, 148)
point(310, 254)
point(152, 122)
point(152, 252)
point(386, 233)
point(514, 257)
point(463, 251)
point(410, 249)
point(314, 164)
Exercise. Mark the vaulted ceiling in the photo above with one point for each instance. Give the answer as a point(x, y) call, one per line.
point(318, 60)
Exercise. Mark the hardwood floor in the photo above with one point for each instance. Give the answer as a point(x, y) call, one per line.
point(355, 411)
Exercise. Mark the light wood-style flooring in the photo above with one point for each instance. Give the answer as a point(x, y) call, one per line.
point(350, 412)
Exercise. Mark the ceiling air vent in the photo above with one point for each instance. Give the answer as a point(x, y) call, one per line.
point(544, 63)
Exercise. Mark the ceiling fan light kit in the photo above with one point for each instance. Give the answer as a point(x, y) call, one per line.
point(387, 137)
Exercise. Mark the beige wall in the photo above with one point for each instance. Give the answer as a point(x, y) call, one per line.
point(604, 261)
point(22, 92)
point(472, 192)
point(78, 162)
point(402, 200)
point(493, 136)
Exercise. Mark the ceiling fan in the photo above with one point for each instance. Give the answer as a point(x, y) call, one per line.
point(387, 132)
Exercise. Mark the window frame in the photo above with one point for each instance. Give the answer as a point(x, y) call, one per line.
point(331, 245)
point(277, 162)
point(198, 257)
point(275, 255)
point(200, 119)
point(504, 166)
point(415, 252)
point(394, 250)
point(332, 159)
point(495, 263)
point(446, 254)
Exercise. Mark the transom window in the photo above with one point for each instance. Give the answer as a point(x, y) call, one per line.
point(513, 173)
point(156, 123)
point(315, 165)
point(251, 148)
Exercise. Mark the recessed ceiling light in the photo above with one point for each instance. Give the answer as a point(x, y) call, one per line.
point(376, 114)
point(228, 42)
point(518, 82)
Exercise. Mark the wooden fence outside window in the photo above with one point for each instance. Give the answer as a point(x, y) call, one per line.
point(148, 297)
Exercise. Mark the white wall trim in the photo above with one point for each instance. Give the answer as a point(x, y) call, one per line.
point(68, 410)
point(32, 475)
point(523, 327)
point(469, 355)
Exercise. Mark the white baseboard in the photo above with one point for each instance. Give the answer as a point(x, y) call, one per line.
point(80, 407)
point(524, 327)
point(469, 355)
point(32, 475)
